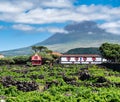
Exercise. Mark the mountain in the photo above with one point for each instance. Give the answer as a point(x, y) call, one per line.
point(90, 50)
point(82, 34)
point(77, 31)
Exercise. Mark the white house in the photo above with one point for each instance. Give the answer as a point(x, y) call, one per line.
point(82, 59)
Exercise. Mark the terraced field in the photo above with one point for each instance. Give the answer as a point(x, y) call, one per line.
point(60, 83)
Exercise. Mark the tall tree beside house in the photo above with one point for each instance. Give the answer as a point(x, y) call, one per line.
point(38, 49)
point(110, 51)
point(42, 48)
point(34, 48)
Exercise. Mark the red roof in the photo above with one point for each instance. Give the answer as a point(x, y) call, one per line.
point(57, 53)
point(81, 55)
point(36, 57)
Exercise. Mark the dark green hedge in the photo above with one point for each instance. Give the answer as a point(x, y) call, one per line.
point(4, 61)
point(21, 59)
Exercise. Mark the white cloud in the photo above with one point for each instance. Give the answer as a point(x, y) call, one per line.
point(57, 3)
point(41, 15)
point(52, 30)
point(57, 30)
point(56, 11)
point(23, 27)
point(111, 27)
point(14, 7)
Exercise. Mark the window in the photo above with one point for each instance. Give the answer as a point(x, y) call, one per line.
point(76, 58)
point(68, 58)
point(93, 58)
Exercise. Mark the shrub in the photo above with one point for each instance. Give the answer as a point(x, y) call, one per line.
point(5, 61)
point(21, 59)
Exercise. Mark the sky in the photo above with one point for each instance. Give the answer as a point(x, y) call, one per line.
point(26, 22)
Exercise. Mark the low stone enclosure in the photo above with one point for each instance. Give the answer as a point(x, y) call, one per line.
point(114, 66)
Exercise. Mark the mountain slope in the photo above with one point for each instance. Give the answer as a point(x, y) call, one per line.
point(83, 34)
point(83, 31)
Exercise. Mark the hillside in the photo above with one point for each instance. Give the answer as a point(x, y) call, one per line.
point(17, 52)
point(90, 50)
point(82, 34)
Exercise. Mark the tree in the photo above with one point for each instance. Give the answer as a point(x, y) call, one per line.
point(38, 49)
point(42, 48)
point(34, 48)
point(110, 52)
point(49, 51)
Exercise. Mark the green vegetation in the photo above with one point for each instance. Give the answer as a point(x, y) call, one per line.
point(15, 60)
point(110, 52)
point(59, 83)
point(44, 52)
point(38, 49)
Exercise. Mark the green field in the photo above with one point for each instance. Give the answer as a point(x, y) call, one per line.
point(60, 83)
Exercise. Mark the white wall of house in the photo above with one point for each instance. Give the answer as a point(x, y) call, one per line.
point(89, 60)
